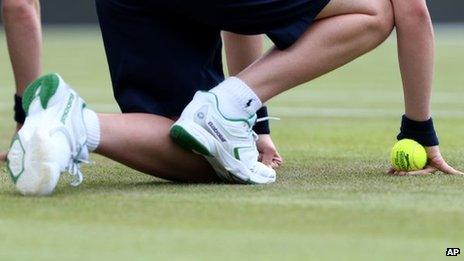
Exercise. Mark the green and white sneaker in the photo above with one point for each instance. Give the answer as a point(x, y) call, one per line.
point(52, 139)
point(226, 143)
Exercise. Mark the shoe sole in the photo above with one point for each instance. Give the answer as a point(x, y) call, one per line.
point(221, 172)
point(187, 141)
point(193, 137)
point(41, 175)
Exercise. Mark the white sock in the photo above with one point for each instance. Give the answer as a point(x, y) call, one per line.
point(236, 99)
point(92, 124)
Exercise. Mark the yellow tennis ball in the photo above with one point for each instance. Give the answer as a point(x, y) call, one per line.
point(408, 155)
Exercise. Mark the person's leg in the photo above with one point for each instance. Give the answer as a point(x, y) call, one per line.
point(21, 19)
point(157, 61)
point(241, 50)
point(142, 142)
point(344, 31)
point(24, 37)
point(60, 131)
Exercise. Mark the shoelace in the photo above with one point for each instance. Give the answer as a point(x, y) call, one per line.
point(255, 135)
point(267, 118)
point(74, 167)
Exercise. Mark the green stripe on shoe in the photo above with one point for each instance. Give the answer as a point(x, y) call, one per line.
point(187, 141)
point(237, 151)
point(16, 176)
point(48, 85)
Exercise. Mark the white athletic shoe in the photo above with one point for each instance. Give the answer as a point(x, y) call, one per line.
point(230, 143)
point(52, 139)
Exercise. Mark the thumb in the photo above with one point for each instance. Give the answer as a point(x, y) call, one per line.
point(447, 169)
point(267, 158)
point(3, 156)
point(440, 164)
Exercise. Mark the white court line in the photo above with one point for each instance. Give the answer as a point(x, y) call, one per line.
point(303, 112)
point(100, 107)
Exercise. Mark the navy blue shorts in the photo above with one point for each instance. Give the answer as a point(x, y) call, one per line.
point(160, 52)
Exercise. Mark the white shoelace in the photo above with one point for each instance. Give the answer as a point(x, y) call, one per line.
point(74, 167)
point(255, 135)
point(267, 119)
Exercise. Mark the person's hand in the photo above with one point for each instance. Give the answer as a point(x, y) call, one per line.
point(268, 153)
point(3, 155)
point(435, 163)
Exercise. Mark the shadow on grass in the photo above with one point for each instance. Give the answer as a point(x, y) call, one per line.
point(64, 190)
point(156, 185)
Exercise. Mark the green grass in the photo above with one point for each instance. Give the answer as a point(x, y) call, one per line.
point(332, 200)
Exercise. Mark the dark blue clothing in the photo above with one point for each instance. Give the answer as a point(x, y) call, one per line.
point(160, 52)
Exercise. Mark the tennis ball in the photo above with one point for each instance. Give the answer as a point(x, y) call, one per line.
point(408, 155)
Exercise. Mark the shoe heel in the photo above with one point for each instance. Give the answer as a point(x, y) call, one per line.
point(48, 85)
point(184, 139)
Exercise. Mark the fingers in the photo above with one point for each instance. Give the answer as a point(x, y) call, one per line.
point(278, 159)
point(268, 158)
point(3, 156)
point(439, 163)
point(426, 171)
point(276, 163)
point(436, 163)
point(447, 169)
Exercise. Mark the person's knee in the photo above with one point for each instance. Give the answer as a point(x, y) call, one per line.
point(18, 9)
point(382, 22)
point(412, 12)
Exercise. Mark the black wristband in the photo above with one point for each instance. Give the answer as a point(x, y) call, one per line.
point(420, 131)
point(263, 126)
point(19, 113)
